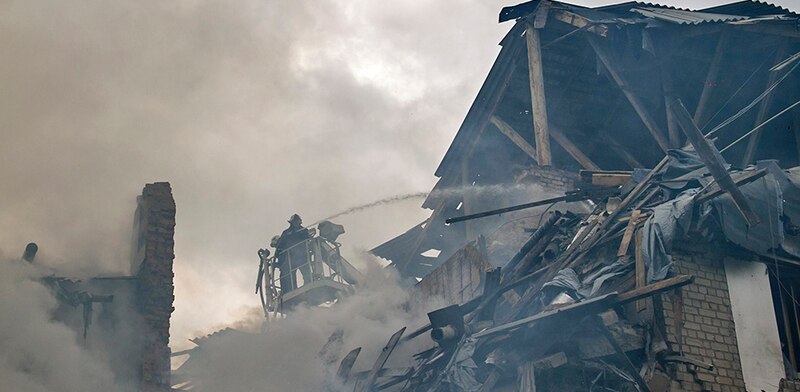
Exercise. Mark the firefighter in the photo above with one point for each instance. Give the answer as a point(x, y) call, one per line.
point(293, 254)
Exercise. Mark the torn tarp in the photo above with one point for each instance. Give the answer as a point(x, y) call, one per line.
point(660, 229)
point(774, 198)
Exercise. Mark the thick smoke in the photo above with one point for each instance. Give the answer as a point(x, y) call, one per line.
point(38, 354)
point(286, 357)
point(253, 110)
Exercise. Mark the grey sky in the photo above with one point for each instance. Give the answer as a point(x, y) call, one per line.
point(253, 110)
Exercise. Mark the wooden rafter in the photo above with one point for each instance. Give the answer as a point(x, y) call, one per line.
point(713, 161)
point(572, 149)
point(637, 104)
point(711, 78)
point(514, 136)
point(763, 111)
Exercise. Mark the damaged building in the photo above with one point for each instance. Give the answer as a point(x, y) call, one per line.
point(125, 319)
point(660, 148)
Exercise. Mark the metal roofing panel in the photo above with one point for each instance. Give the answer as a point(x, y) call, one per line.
point(752, 8)
point(685, 17)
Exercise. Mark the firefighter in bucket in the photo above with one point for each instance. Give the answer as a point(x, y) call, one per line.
point(294, 254)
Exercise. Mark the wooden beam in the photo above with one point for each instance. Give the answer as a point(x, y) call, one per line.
point(655, 288)
point(382, 358)
point(641, 277)
point(714, 162)
point(605, 177)
point(763, 111)
point(713, 190)
point(514, 136)
point(667, 86)
point(538, 104)
point(638, 106)
point(580, 22)
point(626, 156)
point(626, 238)
point(711, 78)
point(572, 149)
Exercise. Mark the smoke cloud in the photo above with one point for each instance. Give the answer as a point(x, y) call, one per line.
point(287, 356)
point(253, 110)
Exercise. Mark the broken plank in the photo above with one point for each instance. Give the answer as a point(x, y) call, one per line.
point(538, 105)
point(714, 162)
point(655, 288)
point(572, 149)
point(515, 137)
point(607, 179)
point(551, 361)
point(382, 358)
point(713, 190)
point(589, 306)
point(638, 105)
point(626, 238)
point(641, 278)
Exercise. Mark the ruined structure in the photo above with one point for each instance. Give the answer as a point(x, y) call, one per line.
point(680, 273)
point(126, 318)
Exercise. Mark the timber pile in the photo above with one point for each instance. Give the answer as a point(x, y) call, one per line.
point(572, 309)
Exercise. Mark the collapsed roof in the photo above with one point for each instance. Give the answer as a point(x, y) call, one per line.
point(603, 80)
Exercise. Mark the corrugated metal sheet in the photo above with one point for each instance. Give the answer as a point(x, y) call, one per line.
point(400, 248)
point(685, 17)
point(752, 8)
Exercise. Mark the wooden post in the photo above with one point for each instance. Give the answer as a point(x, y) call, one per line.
point(638, 106)
point(538, 105)
point(713, 161)
point(711, 78)
point(672, 125)
point(763, 111)
point(641, 273)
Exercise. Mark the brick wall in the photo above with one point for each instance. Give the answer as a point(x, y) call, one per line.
point(707, 329)
point(789, 386)
point(550, 178)
point(152, 263)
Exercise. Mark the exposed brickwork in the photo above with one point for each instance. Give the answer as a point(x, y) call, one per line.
point(551, 178)
point(155, 292)
point(789, 386)
point(708, 333)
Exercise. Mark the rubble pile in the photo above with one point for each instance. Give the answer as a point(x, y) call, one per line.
point(581, 306)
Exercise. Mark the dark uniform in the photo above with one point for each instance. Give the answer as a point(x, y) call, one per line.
point(293, 255)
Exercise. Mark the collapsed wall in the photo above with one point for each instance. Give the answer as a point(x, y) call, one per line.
point(124, 320)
